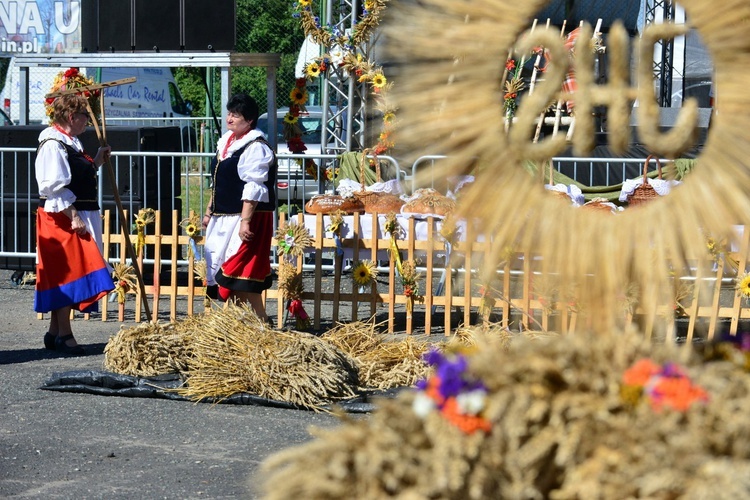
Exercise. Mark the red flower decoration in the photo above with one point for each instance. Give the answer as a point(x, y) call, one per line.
point(510, 65)
point(70, 73)
point(296, 145)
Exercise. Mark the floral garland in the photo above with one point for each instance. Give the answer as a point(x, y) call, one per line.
point(331, 35)
point(71, 79)
point(344, 57)
point(452, 391)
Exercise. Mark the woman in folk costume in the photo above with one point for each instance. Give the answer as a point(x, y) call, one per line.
point(239, 217)
point(71, 272)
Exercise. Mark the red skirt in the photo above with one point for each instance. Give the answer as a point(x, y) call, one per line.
point(249, 270)
point(70, 269)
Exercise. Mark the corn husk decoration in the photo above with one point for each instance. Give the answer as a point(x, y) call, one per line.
point(144, 217)
point(394, 230)
point(335, 226)
point(192, 228)
point(125, 281)
point(291, 286)
point(200, 271)
point(292, 240)
point(487, 300)
point(409, 277)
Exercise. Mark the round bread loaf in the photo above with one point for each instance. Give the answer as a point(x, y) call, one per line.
point(329, 203)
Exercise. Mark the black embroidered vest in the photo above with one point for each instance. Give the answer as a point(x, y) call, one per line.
point(83, 181)
point(227, 186)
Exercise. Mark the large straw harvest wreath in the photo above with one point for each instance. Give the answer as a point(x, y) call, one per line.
point(450, 100)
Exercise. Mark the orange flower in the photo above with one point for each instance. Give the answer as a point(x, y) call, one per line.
point(468, 424)
point(640, 373)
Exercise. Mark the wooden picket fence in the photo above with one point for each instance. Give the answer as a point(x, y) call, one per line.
point(514, 299)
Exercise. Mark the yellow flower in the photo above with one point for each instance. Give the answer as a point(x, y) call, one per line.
point(364, 272)
point(388, 117)
point(290, 119)
point(743, 285)
point(379, 81)
point(298, 96)
point(191, 229)
point(304, 3)
point(369, 4)
point(312, 70)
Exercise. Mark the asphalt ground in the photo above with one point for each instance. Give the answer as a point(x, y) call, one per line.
point(73, 445)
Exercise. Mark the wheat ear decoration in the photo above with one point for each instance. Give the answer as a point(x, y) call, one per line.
point(450, 102)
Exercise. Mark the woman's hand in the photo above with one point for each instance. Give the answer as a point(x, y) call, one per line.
point(77, 225)
point(102, 155)
point(245, 233)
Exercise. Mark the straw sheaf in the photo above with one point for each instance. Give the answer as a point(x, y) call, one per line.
point(381, 363)
point(559, 430)
point(234, 352)
point(450, 101)
point(147, 350)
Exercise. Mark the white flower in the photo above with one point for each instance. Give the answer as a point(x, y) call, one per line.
point(289, 240)
point(472, 402)
point(422, 405)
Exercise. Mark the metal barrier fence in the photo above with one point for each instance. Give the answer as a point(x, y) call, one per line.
point(587, 171)
point(181, 181)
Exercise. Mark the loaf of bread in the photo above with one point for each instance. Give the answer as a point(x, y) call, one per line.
point(329, 203)
point(384, 203)
point(429, 202)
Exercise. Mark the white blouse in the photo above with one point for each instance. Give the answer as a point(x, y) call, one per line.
point(53, 171)
point(253, 166)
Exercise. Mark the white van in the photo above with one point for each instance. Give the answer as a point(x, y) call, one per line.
point(154, 94)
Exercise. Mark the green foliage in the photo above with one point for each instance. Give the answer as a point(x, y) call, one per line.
point(263, 26)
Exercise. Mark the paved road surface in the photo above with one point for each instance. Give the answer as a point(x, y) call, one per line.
point(68, 445)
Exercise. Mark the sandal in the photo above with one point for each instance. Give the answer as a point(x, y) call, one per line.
point(61, 346)
point(49, 341)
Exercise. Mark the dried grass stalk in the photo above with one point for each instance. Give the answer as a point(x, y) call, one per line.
point(559, 430)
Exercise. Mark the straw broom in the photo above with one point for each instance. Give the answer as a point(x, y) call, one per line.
point(449, 99)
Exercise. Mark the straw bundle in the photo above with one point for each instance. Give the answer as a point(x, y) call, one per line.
point(448, 96)
point(560, 429)
point(234, 352)
point(381, 364)
point(147, 350)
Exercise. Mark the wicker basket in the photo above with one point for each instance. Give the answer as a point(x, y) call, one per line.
point(645, 192)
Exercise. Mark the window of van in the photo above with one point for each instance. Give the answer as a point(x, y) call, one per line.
point(175, 99)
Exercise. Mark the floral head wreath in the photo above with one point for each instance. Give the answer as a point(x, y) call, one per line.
point(71, 79)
